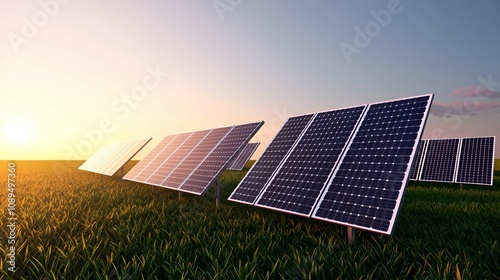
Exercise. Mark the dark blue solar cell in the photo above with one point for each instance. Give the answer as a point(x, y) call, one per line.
point(476, 161)
point(303, 174)
point(368, 185)
point(418, 160)
point(439, 162)
point(254, 181)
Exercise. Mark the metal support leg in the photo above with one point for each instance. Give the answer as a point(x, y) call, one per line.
point(461, 187)
point(217, 199)
point(180, 195)
point(123, 174)
point(351, 235)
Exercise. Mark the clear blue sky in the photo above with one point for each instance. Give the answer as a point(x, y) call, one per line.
point(66, 68)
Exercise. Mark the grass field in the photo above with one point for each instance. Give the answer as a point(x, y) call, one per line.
point(79, 225)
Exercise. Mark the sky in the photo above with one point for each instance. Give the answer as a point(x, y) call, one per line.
point(76, 75)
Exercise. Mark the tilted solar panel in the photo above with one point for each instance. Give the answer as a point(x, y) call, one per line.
point(180, 148)
point(190, 162)
point(440, 160)
point(367, 187)
point(241, 160)
point(304, 172)
point(417, 163)
point(144, 163)
point(181, 173)
point(214, 164)
point(255, 179)
point(476, 162)
point(111, 158)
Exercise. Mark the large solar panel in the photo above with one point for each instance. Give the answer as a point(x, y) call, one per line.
point(304, 173)
point(476, 162)
point(201, 155)
point(111, 158)
point(254, 181)
point(417, 163)
point(241, 160)
point(367, 187)
point(440, 160)
point(340, 169)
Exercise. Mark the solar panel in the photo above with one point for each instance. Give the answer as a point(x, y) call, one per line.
point(417, 163)
point(255, 179)
point(303, 174)
point(241, 160)
point(177, 151)
point(476, 162)
point(368, 185)
point(190, 162)
point(440, 160)
point(139, 168)
point(175, 179)
point(111, 158)
point(215, 163)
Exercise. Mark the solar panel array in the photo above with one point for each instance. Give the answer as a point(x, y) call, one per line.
point(457, 160)
point(111, 158)
point(190, 162)
point(347, 166)
point(239, 162)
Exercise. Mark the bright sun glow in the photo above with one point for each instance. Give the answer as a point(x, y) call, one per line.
point(19, 131)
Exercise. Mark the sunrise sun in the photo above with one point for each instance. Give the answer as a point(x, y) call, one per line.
point(19, 131)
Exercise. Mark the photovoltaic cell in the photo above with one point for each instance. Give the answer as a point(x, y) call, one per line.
point(144, 163)
point(214, 164)
point(476, 161)
point(255, 179)
point(440, 160)
point(417, 163)
point(367, 187)
point(190, 162)
point(204, 146)
point(111, 158)
point(241, 160)
point(178, 150)
point(303, 174)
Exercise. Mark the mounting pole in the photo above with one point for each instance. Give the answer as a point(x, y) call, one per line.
point(217, 189)
point(123, 174)
point(351, 235)
point(461, 187)
point(180, 195)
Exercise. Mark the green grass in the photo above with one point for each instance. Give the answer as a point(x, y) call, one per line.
point(79, 225)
